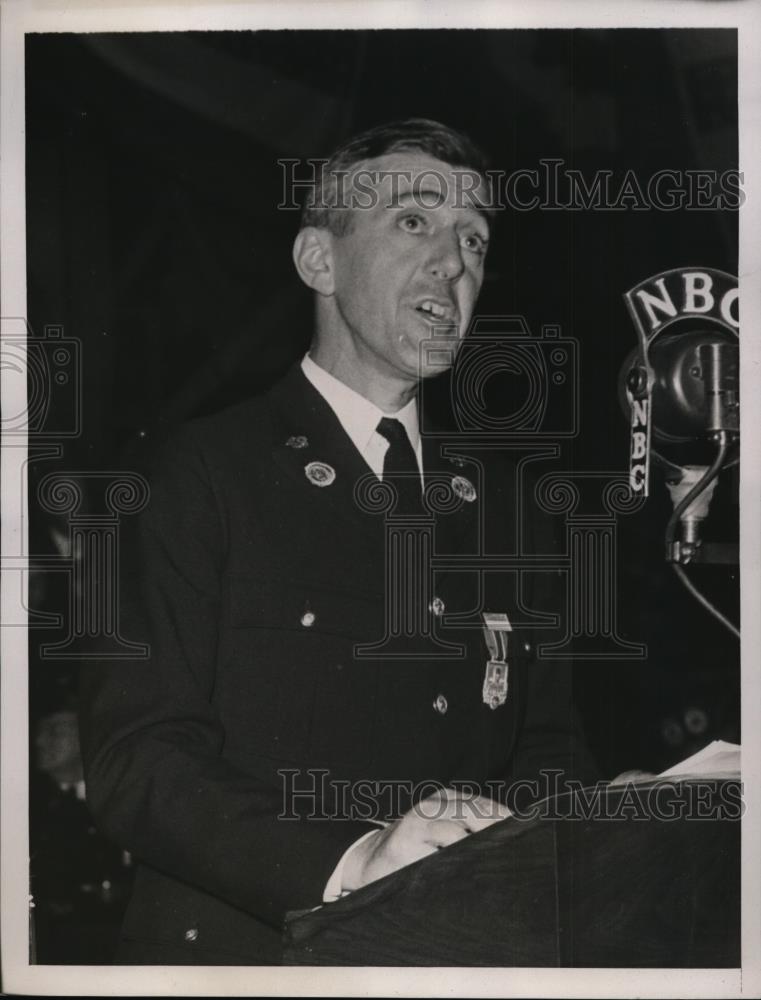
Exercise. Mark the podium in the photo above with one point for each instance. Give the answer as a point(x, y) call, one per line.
point(644, 875)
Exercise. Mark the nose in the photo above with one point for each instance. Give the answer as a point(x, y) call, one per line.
point(446, 257)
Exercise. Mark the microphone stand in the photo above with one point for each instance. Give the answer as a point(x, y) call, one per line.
point(683, 551)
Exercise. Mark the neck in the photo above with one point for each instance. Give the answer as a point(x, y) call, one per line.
point(388, 392)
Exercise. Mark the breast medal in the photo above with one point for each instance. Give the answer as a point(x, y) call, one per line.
point(496, 629)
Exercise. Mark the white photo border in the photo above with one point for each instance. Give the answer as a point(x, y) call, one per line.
point(17, 19)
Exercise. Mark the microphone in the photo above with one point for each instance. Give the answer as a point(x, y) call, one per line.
point(679, 386)
point(693, 397)
point(719, 371)
point(680, 389)
point(691, 379)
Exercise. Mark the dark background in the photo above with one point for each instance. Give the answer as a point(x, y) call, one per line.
point(153, 236)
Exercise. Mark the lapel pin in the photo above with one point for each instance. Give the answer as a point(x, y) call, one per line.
point(297, 441)
point(464, 489)
point(320, 473)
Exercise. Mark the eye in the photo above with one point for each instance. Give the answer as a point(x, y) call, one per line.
point(474, 243)
point(412, 223)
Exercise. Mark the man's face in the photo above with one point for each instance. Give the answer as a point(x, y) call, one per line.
point(411, 266)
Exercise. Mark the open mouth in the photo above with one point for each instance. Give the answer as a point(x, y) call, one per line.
point(437, 313)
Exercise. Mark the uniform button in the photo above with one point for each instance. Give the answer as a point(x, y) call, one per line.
point(308, 619)
point(437, 607)
point(440, 704)
point(527, 647)
point(191, 934)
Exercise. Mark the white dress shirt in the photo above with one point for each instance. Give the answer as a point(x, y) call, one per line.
point(359, 418)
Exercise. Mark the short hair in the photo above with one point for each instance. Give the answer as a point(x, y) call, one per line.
point(412, 134)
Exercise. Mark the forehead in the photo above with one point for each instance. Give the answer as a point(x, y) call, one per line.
point(417, 176)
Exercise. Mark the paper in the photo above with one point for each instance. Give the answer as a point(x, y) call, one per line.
point(717, 758)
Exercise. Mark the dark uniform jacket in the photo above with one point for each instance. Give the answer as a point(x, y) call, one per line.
point(261, 583)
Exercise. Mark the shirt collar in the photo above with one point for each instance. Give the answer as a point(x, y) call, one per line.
point(357, 415)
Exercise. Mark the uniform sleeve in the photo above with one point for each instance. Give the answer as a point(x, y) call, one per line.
point(158, 782)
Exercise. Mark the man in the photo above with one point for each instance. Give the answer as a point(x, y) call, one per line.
point(235, 763)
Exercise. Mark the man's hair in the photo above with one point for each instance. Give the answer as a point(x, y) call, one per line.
point(323, 207)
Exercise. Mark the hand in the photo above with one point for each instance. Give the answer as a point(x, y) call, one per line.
point(431, 824)
point(626, 776)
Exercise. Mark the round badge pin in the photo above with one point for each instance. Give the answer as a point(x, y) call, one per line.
point(464, 489)
point(320, 473)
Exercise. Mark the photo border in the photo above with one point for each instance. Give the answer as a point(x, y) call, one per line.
point(18, 18)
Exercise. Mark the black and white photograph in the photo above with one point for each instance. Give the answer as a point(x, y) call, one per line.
point(380, 499)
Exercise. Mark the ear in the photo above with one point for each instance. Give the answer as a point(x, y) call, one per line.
point(312, 255)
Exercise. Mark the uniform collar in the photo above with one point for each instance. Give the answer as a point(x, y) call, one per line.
point(307, 433)
point(357, 415)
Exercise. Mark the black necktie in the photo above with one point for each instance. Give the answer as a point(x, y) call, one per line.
point(400, 466)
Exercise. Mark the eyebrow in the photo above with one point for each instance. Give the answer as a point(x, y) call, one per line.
point(417, 194)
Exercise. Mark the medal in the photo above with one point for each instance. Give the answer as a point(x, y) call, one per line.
point(496, 628)
point(464, 489)
point(320, 473)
